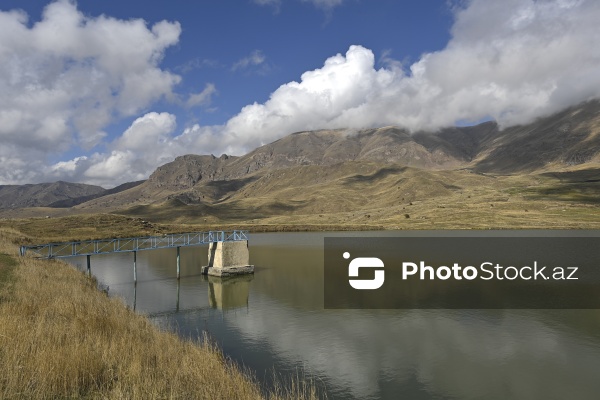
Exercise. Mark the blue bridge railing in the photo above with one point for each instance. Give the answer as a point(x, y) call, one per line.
point(105, 246)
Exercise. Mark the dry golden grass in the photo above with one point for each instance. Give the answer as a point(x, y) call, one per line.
point(80, 227)
point(359, 196)
point(352, 196)
point(62, 338)
point(349, 196)
point(100, 226)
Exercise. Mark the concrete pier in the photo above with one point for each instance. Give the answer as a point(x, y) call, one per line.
point(228, 259)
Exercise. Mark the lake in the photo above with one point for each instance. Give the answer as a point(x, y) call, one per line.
point(275, 321)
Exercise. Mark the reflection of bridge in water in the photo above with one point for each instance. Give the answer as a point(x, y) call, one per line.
point(132, 245)
point(223, 294)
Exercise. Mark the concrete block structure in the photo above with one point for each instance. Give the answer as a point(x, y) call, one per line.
point(228, 259)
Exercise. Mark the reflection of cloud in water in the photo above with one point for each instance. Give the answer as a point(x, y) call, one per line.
point(117, 268)
point(157, 288)
point(463, 354)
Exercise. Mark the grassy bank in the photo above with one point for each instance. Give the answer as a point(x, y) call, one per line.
point(7, 266)
point(62, 338)
point(102, 226)
point(491, 215)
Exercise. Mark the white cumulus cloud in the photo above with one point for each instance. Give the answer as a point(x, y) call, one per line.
point(512, 61)
point(64, 78)
point(150, 130)
point(147, 143)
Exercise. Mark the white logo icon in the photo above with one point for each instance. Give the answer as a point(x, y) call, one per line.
point(365, 262)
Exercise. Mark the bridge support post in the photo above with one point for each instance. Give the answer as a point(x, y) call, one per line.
point(135, 267)
point(178, 288)
point(178, 263)
point(228, 259)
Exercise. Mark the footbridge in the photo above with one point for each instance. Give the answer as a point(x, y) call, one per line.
point(226, 249)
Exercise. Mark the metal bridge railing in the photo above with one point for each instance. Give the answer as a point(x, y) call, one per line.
point(105, 246)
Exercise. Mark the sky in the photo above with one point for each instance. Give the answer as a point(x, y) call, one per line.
point(104, 92)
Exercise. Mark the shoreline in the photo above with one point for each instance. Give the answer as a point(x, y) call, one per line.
point(102, 226)
point(46, 307)
point(62, 337)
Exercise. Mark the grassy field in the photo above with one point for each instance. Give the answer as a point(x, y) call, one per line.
point(62, 338)
point(358, 196)
point(465, 202)
point(489, 213)
point(348, 196)
point(7, 265)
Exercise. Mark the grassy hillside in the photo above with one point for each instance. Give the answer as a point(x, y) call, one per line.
point(355, 195)
point(395, 197)
point(62, 338)
point(544, 174)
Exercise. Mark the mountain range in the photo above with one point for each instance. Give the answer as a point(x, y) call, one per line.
point(343, 171)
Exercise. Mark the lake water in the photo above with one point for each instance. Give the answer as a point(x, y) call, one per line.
point(275, 321)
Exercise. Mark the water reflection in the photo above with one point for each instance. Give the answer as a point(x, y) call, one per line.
point(276, 319)
point(229, 293)
point(466, 354)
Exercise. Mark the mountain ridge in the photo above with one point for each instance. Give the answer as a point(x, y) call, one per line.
point(278, 176)
point(58, 194)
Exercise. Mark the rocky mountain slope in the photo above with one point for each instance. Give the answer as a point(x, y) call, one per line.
point(44, 194)
point(560, 141)
point(566, 139)
point(56, 195)
point(347, 171)
point(71, 202)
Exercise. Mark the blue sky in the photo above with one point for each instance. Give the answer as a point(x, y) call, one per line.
point(292, 38)
point(288, 39)
point(105, 91)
